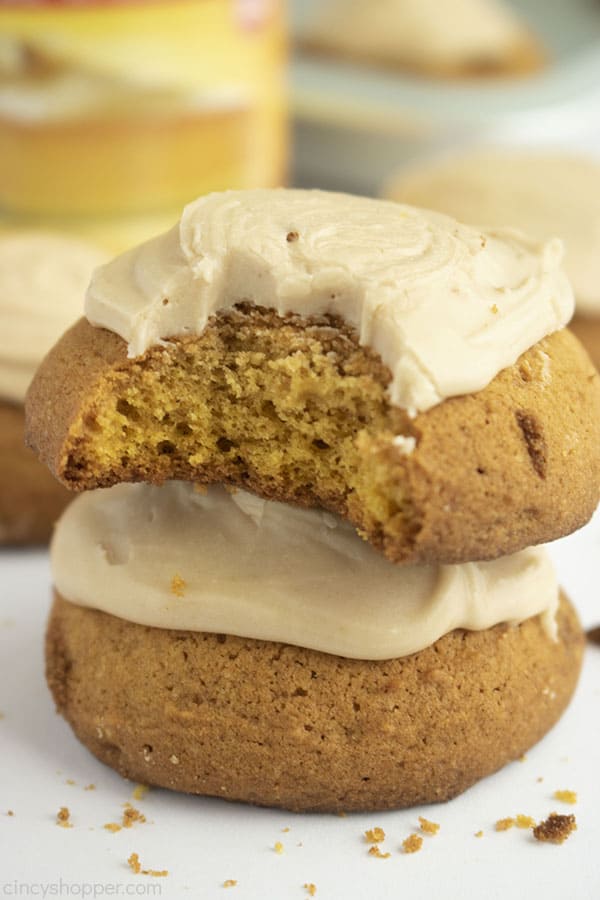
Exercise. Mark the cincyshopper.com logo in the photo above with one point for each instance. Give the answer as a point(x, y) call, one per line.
point(78, 889)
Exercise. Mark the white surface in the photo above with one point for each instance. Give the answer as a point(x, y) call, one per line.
point(203, 842)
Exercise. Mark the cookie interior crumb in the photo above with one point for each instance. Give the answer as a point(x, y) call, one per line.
point(427, 826)
point(555, 829)
point(375, 851)
point(374, 835)
point(412, 844)
point(131, 815)
point(113, 827)
point(504, 824)
point(178, 586)
point(136, 868)
point(566, 796)
point(140, 791)
point(63, 817)
point(524, 821)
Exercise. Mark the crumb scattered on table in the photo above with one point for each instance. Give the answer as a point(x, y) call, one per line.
point(479, 834)
point(140, 791)
point(131, 815)
point(374, 835)
point(504, 824)
point(427, 826)
point(136, 868)
point(375, 851)
point(524, 821)
point(285, 830)
point(412, 844)
point(230, 882)
point(278, 847)
point(178, 586)
point(555, 829)
point(113, 827)
point(90, 787)
point(311, 889)
point(63, 817)
point(566, 796)
point(9, 812)
point(593, 635)
point(70, 781)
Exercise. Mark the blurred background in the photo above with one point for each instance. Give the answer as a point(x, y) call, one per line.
point(114, 114)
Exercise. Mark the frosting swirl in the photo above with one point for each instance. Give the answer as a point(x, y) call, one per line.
point(445, 305)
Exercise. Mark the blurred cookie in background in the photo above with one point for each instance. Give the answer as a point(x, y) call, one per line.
point(543, 194)
point(457, 38)
point(43, 278)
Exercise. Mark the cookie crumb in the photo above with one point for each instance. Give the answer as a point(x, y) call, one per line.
point(524, 821)
point(112, 827)
point(375, 851)
point(374, 835)
point(230, 882)
point(131, 815)
point(278, 847)
point(136, 868)
point(566, 796)
point(427, 826)
point(90, 787)
point(70, 781)
point(292, 236)
point(540, 779)
point(504, 824)
point(593, 635)
point(311, 889)
point(555, 829)
point(523, 758)
point(9, 812)
point(63, 816)
point(479, 834)
point(140, 791)
point(178, 586)
point(412, 844)
point(494, 309)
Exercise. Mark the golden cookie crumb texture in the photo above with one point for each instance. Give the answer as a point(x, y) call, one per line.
point(375, 851)
point(229, 882)
point(412, 844)
point(278, 847)
point(311, 889)
point(136, 868)
point(504, 824)
point(566, 796)
point(524, 821)
point(63, 817)
point(478, 834)
point(140, 791)
point(113, 827)
point(374, 835)
point(427, 826)
point(555, 829)
point(178, 586)
point(90, 787)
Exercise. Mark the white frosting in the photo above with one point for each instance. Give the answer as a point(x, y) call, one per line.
point(420, 33)
point(543, 194)
point(171, 557)
point(43, 277)
point(445, 305)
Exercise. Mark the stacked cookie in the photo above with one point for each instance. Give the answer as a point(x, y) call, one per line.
point(279, 371)
point(42, 277)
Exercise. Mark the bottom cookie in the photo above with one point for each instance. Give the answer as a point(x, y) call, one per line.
point(31, 499)
point(277, 725)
